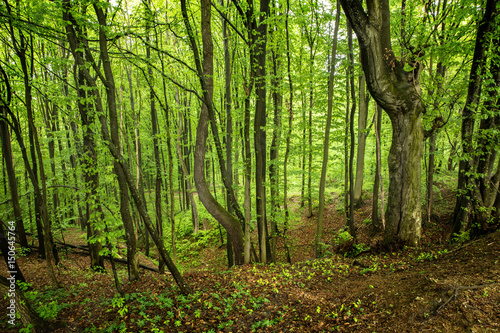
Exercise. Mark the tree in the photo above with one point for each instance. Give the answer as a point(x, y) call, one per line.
point(398, 92)
point(71, 28)
point(478, 182)
point(205, 74)
point(326, 142)
point(364, 99)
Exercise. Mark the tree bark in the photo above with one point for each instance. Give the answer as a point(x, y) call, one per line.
point(228, 221)
point(109, 83)
point(464, 205)
point(11, 174)
point(326, 142)
point(362, 135)
point(23, 308)
point(398, 92)
point(378, 182)
point(258, 62)
point(352, 228)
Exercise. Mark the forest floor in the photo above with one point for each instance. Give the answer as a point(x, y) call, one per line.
point(438, 287)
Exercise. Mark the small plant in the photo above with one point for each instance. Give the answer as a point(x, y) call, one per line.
point(462, 237)
point(119, 302)
point(343, 237)
point(373, 268)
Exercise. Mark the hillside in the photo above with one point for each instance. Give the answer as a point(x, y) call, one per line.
point(438, 287)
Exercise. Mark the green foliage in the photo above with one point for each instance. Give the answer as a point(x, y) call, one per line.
point(343, 237)
point(462, 237)
point(49, 303)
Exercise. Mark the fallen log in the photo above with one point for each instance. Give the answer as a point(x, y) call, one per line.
point(86, 250)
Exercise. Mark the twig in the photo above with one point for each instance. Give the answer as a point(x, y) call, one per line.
point(455, 293)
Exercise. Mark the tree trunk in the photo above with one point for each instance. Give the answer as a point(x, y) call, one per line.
point(430, 176)
point(108, 81)
point(22, 307)
point(378, 182)
point(288, 133)
point(228, 221)
point(229, 132)
point(258, 61)
point(326, 143)
point(154, 133)
point(362, 135)
point(11, 174)
point(352, 229)
point(91, 176)
point(464, 205)
point(398, 92)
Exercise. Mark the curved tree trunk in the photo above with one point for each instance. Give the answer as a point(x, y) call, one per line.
point(398, 92)
point(228, 221)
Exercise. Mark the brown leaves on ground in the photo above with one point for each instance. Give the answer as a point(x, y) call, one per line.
point(438, 287)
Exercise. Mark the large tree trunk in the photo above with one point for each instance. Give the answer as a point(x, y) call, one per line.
point(403, 215)
point(398, 92)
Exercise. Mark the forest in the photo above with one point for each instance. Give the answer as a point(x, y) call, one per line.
point(249, 166)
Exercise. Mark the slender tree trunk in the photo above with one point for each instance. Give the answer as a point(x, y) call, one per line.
point(326, 143)
point(430, 176)
point(11, 174)
point(247, 157)
point(309, 131)
point(378, 182)
point(228, 221)
point(154, 133)
point(288, 133)
point(229, 132)
point(352, 228)
point(346, 148)
point(362, 135)
point(187, 177)
point(273, 155)
point(91, 176)
point(108, 81)
point(258, 61)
